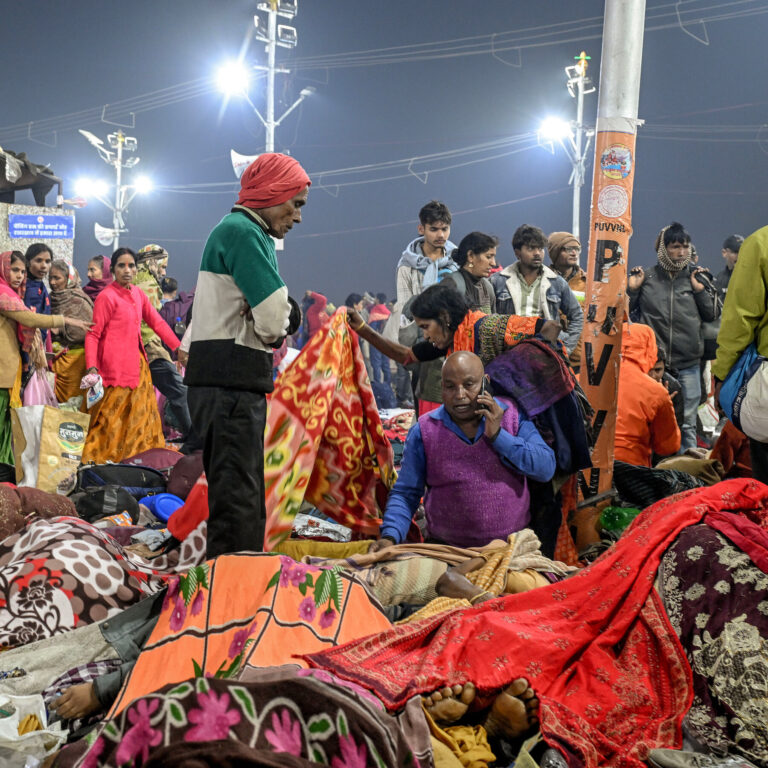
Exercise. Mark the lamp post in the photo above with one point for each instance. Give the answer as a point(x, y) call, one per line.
point(571, 135)
point(119, 144)
point(234, 78)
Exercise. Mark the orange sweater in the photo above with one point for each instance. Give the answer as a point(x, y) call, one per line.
point(645, 421)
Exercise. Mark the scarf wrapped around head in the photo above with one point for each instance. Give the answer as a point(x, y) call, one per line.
point(71, 301)
point(94, 287)
point(12, 300)
point(667, 263)
point(271, 179)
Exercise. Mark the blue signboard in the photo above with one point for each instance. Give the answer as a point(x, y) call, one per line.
point(41, 226)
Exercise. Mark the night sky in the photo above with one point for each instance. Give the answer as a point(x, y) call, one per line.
point(701, 158)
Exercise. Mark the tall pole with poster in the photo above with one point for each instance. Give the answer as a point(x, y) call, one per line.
point(610, 229)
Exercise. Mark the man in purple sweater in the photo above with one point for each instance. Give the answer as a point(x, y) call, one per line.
point(469, 459)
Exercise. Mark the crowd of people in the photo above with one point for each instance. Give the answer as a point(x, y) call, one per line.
point(475, 617)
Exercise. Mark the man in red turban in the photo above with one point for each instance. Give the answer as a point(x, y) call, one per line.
point(229, 370)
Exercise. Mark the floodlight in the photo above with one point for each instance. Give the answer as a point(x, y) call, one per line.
point(555, 129)
point(286, 36)
point(262, 32)
point(143, 185)
point(308, 91)
point(286, 8)
point(233, 78)
point(91, 187)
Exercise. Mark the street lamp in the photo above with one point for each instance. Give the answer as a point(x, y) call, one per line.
point(91, 188)
point(554, 129)
point(274, 35)
point(119, 144)
point(143, 185)
point(572, 136)
point(233, 78)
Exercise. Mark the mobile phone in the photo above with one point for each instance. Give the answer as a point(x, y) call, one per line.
point(482, 385)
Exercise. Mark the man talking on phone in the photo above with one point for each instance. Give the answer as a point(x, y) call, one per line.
point(470, 459)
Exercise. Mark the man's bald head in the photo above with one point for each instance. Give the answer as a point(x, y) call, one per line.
point(463, 374)
point(464, 362)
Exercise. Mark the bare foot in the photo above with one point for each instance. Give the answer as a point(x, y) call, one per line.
point(77, 702)
point(450, 704)
point(515, 711)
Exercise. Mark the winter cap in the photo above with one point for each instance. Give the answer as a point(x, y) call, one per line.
point(559, 240)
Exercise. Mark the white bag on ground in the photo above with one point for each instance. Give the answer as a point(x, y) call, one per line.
point(15, 748)
point(754, 408)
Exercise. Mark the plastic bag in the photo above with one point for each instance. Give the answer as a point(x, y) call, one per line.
point(95, 386)
point(16, 748)
point(39, 391)
point(48, 445)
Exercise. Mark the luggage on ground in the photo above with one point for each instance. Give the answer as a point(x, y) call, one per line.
point(94, 503)
point(138, 481)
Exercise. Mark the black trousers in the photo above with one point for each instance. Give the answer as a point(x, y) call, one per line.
point(758, 453)
point(231, 424)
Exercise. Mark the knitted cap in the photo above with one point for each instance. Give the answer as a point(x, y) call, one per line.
point(559, 240)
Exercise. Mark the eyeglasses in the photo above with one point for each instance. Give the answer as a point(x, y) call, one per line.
point(572, 249)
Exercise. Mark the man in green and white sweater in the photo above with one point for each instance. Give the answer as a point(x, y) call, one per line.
point(229, 371)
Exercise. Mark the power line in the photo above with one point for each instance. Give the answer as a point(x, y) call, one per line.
point(668, 16)
point(408, 166)
point(376, 227)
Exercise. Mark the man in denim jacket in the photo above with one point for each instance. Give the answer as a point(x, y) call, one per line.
point(530, 289)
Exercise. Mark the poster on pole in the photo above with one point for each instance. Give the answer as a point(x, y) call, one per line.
point(605, 302)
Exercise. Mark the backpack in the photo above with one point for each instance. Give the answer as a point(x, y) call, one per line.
point(138, 481)
point(94, 503)
point(178, 310)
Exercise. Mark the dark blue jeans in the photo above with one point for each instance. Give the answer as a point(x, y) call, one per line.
point(380, 364)
point(168, 380)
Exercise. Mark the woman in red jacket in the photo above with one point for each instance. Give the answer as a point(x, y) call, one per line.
point(125, 421)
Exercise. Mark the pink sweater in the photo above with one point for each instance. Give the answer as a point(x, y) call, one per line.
point(114, 345)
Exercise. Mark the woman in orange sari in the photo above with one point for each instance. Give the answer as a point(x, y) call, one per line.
point(126, 420)
point(448, 325)
point(67, 298)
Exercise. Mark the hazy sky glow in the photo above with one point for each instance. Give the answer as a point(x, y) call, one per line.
point(469, 107)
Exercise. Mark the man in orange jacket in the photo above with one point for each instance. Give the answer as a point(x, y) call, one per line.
point(645, 421)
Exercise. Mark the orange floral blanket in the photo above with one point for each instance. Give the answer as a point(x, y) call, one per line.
point(324, 442)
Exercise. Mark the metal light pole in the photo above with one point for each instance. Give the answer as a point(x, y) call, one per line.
point(276, 35)
point(119, 143)
point(610, 230)
point(574, 137)
point(581, 84)
point(117, 209)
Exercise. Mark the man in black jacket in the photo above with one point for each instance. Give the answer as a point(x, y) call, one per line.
point(675, 299)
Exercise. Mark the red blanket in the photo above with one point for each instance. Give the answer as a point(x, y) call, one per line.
point(609, 671)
